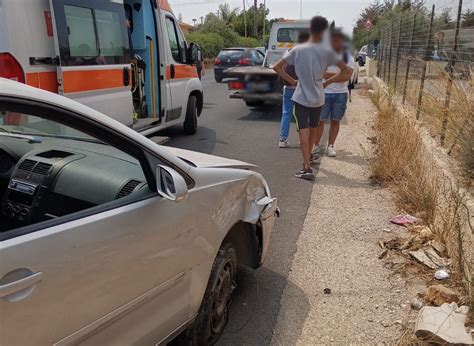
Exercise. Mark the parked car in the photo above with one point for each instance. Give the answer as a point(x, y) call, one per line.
point(233, 57)
point(261, 50)
point(107, 238)
point(362, 55)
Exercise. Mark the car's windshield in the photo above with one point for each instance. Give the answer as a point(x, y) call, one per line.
point(289, 35)
point(25, 124)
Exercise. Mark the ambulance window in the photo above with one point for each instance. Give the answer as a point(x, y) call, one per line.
point(81, 31)
point(110, 33)
point(177, 42)
point(173, 38)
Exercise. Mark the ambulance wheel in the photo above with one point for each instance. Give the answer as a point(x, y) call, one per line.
point(191, 122)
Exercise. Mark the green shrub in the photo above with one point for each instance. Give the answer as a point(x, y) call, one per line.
point(211, 43)
point(248, 42)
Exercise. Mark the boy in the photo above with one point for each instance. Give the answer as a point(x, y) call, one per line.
point(311, 60)
point(288, 91)
point(336, 94)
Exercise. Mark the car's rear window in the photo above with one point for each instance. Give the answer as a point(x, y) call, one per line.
point(289, 35)
point(232, 54)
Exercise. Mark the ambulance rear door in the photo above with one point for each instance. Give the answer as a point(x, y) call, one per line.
point(92, 45)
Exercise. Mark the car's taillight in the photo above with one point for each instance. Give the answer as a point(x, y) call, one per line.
point(10, 68)
point(217, 61)
point(244, 61)
point(236, 85)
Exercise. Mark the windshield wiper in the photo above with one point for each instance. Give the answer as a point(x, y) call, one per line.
point(29, 138)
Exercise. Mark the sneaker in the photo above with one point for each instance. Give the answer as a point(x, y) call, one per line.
point(283, 144)
point(315, 158)
point(316, 149)
point(331, 151)
point(305, 174)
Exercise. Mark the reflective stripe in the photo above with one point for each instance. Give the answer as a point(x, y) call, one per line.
point(43, 80)
point(182, 71)
point(77, 81)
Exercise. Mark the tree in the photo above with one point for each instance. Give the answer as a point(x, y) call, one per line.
point(468, 19)
point(444, 21)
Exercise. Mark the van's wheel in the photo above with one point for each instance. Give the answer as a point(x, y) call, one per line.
point(191, 122)
point(213, 314)
point(255, 103)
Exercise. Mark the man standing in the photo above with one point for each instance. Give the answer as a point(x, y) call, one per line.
point(336, 94)
point(288, 91)
point(311, 60)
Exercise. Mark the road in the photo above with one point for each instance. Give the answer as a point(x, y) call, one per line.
point(230, 129)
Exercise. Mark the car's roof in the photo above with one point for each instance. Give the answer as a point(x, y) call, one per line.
point(13, 89)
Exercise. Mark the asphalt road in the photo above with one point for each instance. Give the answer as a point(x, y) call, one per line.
point(231, 129)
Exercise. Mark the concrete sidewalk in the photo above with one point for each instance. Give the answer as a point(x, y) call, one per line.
point(338, 249)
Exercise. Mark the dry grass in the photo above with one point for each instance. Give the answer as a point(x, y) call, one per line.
point(456, 123)
point(402, 163)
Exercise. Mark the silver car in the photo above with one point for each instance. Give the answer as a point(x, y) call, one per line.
point(109, 239)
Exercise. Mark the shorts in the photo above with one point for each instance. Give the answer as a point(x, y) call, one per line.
point(334, 107)
point(306, 116)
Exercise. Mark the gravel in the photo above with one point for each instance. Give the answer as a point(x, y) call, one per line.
point(338, 249)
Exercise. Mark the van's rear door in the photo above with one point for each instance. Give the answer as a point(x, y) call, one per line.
point(92, 42)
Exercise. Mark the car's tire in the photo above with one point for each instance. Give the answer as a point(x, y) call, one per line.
point(218, 79)
point(255, 103)
point(213, 314)
point(190, 122)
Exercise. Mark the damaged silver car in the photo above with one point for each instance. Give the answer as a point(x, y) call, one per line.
point(107, 238)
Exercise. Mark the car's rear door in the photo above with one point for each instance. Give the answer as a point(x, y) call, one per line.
point(112, 274)
point(92, 43)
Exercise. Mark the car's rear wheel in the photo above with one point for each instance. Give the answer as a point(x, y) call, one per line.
point(255, 103)
point(190, 122)
point(214, 311)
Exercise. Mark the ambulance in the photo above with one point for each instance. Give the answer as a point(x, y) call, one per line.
point(125, 58)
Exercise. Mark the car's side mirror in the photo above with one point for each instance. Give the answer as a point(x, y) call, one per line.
point(170, 184)
point(194, 53)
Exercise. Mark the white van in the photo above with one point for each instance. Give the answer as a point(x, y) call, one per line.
point(283, 36)
point(125, 58)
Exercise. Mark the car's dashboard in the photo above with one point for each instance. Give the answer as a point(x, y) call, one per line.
point(51, 177)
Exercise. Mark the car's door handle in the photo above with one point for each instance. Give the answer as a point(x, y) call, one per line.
point(126, 76)
point(172, 72)
point(19, 285)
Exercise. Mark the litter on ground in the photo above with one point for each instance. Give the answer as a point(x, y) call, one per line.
point(443, 324)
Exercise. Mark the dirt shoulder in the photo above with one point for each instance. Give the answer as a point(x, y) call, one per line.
point(338, 249)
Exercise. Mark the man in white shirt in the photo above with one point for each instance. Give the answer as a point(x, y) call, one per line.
point(336, 94)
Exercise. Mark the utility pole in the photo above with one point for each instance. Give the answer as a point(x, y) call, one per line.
point(264, 16)
point(301, 9)
point(255, 31)
point(245, 19)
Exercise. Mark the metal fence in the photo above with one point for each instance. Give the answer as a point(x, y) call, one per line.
point(426, 56)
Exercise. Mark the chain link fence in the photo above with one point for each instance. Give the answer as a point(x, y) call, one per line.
point(426, 56)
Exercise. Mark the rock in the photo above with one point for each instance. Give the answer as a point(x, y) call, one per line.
point(387, 230)
point(444, 324)
point(416, 304)
point(383, 254)
point(327, 291)
point(439, 261)
point(385, 324)
point(439, 294)
point(438, 246)
point(423, 258)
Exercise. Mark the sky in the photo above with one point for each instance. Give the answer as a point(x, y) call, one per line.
point(344, 12)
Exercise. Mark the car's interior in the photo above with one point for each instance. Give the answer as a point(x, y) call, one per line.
point(48, 170)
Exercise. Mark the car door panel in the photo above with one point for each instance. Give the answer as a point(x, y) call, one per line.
point(92, 267)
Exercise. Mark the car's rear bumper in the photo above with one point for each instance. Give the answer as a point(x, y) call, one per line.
point(267, 221)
